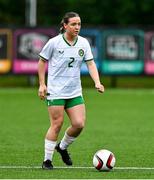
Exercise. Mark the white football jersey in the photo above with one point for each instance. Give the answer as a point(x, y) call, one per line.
point(64, 63)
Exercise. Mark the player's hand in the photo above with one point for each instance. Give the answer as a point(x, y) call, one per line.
point(42, 92)
point(99, 87)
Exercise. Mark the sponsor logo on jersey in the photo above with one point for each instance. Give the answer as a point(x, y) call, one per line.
point(81, 52)
point(61, 52)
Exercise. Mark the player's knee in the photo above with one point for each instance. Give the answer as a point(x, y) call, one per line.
point(79, 125)
point(56, 125)
point(56, 128)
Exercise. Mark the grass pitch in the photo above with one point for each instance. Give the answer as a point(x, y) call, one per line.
point(119, 120)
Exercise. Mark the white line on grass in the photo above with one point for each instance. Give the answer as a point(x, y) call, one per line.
point(74, 167)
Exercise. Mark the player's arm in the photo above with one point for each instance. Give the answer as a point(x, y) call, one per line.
point(41, 74)
point(94, 75)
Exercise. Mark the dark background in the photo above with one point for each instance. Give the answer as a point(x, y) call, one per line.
point(92, 12)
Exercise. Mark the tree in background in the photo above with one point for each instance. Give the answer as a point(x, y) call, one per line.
point(92, 12)
point(12, 12)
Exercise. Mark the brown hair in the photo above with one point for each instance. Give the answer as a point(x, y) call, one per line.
point(66, 19)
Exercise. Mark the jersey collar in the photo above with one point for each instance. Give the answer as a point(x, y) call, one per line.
point(68, 42)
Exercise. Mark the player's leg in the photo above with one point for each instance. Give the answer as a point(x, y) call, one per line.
point(56, 114)
point(76, 113)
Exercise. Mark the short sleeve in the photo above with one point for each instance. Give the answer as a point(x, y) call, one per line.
point(88, 53)
point(46, 51)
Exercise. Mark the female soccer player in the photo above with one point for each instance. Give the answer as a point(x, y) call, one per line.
point(65, 54)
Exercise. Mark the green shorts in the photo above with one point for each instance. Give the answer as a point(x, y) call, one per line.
point(67, 103)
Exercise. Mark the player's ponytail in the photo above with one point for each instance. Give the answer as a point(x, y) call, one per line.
point(62, 29)
point(65, 20)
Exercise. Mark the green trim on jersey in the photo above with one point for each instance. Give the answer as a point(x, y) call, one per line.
point(89, 60)
point(68, 42)
point(67, 103)
point(75, 41)
point(43, 58)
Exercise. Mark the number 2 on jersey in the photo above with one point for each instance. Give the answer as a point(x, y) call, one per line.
point(71, 61)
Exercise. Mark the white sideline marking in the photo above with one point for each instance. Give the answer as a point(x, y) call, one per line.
point(74, 167)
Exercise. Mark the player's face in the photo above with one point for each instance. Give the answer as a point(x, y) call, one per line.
point(73, 27)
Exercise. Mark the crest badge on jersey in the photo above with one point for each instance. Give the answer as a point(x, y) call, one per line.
point(81, 52)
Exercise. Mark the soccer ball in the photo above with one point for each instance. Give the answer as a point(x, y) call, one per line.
point(104, 160)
